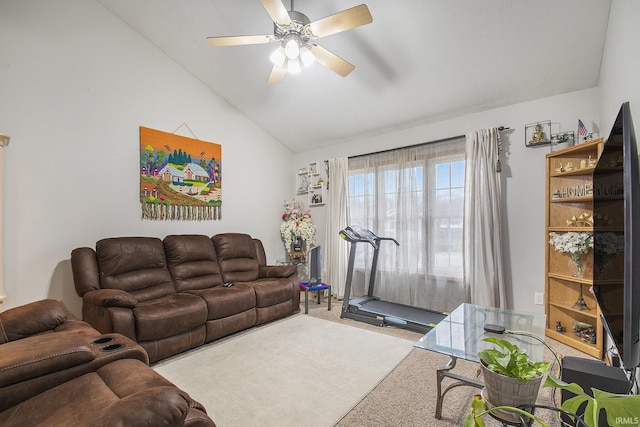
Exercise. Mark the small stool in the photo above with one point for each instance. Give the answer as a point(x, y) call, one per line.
point(319, 287)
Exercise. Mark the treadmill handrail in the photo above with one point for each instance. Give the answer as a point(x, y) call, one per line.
point(389, 238)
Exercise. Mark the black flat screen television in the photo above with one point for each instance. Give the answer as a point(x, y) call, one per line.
point(315, 265)
point(616, 186)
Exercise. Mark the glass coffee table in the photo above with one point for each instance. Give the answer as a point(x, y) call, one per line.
point(460, 336)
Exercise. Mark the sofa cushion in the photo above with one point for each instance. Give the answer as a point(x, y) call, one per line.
point(223, 302)
point(134, 264)
point(237, 257)
point(168, 316)
point(192, 261)
point(272, 291)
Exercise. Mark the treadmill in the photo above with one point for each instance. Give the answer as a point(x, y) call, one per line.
point(373, 310)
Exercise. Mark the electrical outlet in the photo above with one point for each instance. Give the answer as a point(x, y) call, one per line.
point(539, 298)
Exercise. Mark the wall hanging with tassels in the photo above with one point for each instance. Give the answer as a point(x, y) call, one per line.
point(180, 177)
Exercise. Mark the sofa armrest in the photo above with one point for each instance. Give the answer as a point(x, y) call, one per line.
point(33, 318)
point(277, 271)
point(110, 310)
point(110, 298)
point(40, 355)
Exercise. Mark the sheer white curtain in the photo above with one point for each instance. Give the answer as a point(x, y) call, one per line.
point(483, 266)
point(335, 249)
point(414, 195)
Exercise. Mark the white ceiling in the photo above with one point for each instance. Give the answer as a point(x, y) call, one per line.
point(420, 61)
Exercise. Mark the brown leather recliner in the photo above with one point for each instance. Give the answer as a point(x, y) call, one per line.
point(126, 287)
point(56, 370)
point(243, 260)
point(193, 263)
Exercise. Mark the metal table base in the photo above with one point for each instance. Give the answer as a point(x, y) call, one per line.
point(460, 380)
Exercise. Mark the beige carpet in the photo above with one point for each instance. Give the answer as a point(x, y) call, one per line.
point(300, 371)
point(406, 397)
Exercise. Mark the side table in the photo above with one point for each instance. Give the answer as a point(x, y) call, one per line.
point(319, 287)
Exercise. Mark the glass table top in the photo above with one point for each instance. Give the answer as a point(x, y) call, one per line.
point(460, 334)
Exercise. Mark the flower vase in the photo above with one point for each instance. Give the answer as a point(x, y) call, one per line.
point(576, 267)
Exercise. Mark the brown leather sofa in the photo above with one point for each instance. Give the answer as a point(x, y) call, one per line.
point(169, 295)
point(56, 370)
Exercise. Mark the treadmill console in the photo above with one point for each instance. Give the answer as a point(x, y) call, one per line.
point(355, 233)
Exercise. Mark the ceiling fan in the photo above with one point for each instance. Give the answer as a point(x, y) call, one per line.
point(296, 35)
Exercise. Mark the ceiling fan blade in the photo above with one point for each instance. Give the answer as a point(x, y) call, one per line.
point(331, 60)
point(239, 40)
point(341, 21)
point(277, 11)
point(277, 75)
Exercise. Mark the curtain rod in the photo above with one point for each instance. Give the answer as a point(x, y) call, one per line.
point(408, 146)
point(500, 129)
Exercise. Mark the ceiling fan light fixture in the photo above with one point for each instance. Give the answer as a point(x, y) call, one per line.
point(296, 35)
point(292, 48)
point(278, 57)
point(306, 56)
point(293, 66)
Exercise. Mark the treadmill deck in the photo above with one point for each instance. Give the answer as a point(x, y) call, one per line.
point(416, 315)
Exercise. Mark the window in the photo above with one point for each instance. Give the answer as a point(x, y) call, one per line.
point(445, 221)
point(416, 196)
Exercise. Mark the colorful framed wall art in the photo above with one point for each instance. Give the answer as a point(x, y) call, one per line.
point(180, 177)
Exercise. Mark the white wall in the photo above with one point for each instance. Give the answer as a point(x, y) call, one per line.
point(523, 177)
point(76, 85)
point(619, 80)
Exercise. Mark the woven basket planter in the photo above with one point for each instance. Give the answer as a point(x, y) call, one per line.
point(507, 391)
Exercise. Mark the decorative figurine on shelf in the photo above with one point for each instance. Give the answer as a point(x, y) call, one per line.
point(582, 131)
point(591, 162)
point(538, 136)
point(559, 327)
point(584, 220)
point(585, 332)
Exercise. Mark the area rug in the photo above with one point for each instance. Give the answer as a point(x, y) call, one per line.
point(301, 371)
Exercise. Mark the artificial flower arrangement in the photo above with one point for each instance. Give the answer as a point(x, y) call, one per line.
point(296, 222)
point(573, 242)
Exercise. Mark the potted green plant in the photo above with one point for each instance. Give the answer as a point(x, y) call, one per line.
point(510, 377)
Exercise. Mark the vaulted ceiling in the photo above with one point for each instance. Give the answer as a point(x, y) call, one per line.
point(420, 61)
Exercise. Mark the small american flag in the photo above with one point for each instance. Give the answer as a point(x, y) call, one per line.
point(582, 130)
